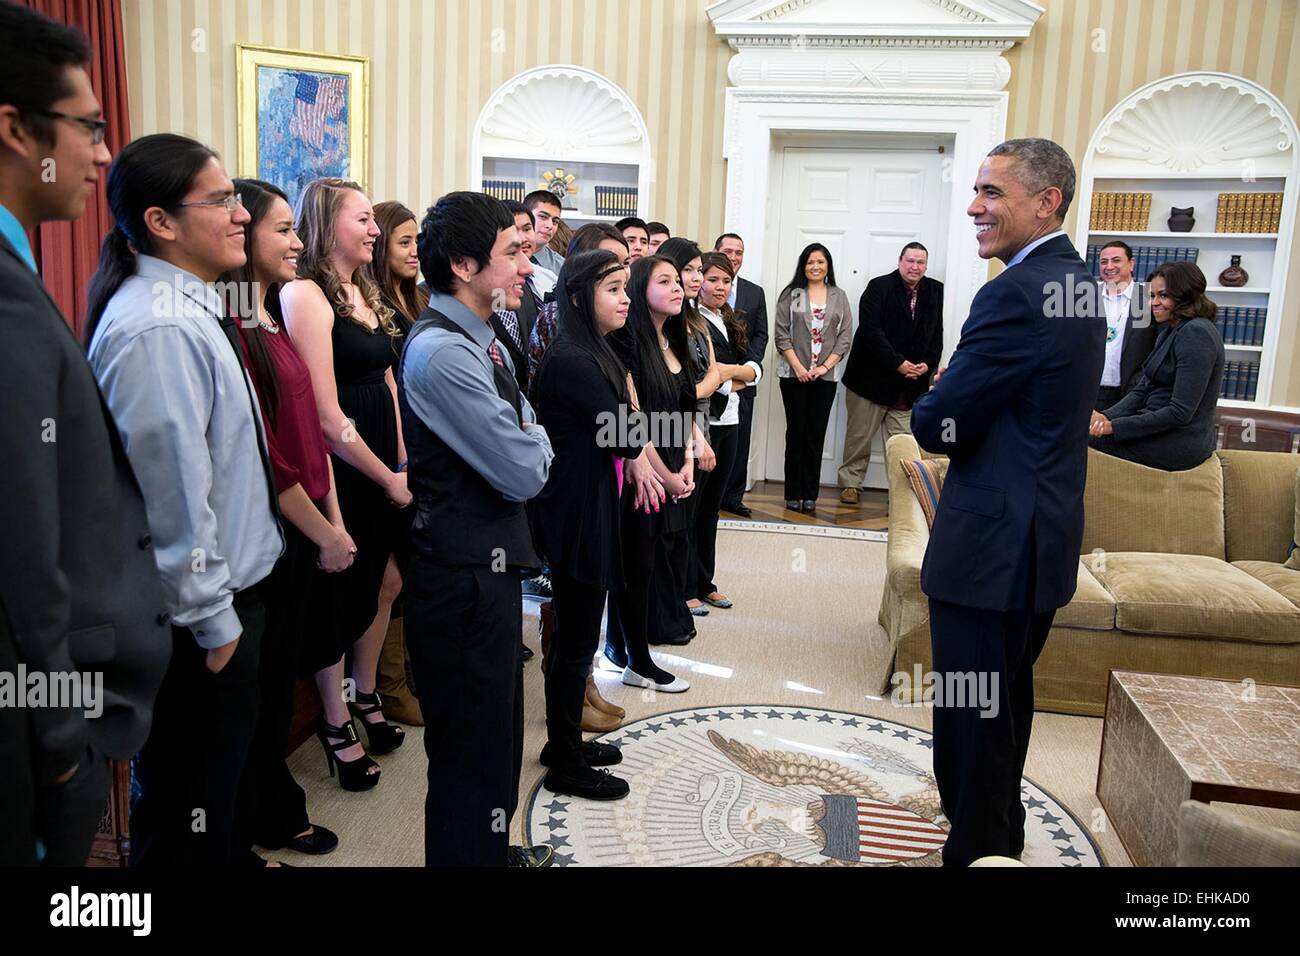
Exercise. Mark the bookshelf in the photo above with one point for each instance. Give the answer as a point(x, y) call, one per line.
point(1180, 162)
point(570, 118)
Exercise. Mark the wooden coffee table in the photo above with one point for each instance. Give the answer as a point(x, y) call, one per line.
point(1167, 739)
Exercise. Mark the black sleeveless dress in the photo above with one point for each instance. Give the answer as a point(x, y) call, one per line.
point(377, 527)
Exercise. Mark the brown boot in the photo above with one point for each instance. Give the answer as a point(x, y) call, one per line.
point(396, 691)
point(596, 722)
point(594, 699)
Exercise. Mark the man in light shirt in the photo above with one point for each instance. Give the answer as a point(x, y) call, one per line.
point(1130, 333)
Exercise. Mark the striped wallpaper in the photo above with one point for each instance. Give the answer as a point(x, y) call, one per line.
point(1062, 89)
point(435, 63)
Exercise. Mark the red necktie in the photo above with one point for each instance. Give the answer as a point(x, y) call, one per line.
point(495, 354)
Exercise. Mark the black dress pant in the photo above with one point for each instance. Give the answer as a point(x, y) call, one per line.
point(193, 761)
point(1108, 395)
point(807, 413)
point(735, 491)
point(627, 625)
point(578, 612)
point(272, 807)
point(979, 752)
point(670, 618)
point(463, 630)
point(724, 439)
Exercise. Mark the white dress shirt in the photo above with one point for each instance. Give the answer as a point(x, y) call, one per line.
point(1117, 312)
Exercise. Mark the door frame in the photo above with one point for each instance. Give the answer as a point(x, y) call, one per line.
point(761, 122)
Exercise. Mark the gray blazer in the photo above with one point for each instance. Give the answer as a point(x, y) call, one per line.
point(792, 330)
point(77, 574)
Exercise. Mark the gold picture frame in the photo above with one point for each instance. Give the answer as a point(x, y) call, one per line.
point(302, 115)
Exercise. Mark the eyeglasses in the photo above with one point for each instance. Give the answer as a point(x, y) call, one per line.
point(96, 126)
point(229, 202)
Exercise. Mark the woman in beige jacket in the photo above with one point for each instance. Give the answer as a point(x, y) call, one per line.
point(814, 327)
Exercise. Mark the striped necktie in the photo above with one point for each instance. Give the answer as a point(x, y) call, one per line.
point(511, 322)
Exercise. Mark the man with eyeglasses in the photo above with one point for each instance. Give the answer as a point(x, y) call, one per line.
point(78, 583)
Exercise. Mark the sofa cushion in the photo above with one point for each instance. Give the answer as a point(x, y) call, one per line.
point(1259, 504)
point(1130, 507)
point(926, 478)
point(1293, 559)
point(1277, 576)
point(1091, 608)
point(1190, 595)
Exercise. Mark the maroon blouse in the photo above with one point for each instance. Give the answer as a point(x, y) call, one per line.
point(297, 445)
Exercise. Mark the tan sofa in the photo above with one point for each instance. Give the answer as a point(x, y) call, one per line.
point(1181, 574)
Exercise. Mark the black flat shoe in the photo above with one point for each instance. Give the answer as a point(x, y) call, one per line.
point(588, 783)
point(739, 510)
point(530, 855)
point(317, 843)
point(614, 657)
point(595, 753)
point(677, 640)
point(525, 652)
point(792, 505)
point(809, 507)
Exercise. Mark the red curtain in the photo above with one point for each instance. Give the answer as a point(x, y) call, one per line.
point(67, 252)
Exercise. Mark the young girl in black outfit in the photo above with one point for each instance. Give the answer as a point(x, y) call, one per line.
point(653, 346)
point(581, 389)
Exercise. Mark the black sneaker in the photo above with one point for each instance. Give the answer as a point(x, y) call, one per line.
point(539, 586)
point(588, 783)
point(543, 855)
point(594, 753)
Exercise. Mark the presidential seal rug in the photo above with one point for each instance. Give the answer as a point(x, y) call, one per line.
point(777, 786)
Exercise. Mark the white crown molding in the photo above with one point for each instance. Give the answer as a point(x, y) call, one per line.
point(893, 68)
point(1193, 121)
point(988, 24)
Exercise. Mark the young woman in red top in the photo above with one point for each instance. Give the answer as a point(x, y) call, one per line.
point(272, 809)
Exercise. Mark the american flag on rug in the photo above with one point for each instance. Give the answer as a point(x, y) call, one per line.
point(859, 830)
point(316, 100)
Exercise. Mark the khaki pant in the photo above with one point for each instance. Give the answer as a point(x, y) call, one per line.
point(864, 420)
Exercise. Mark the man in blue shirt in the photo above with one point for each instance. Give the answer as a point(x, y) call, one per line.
point(475, 456)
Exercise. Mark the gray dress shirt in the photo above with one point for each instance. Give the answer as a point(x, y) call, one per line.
point(191, 426)
point(450, 386)
point(548, 258)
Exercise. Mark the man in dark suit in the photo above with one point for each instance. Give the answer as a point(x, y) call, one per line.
point(78, 583)
point(895, 352)
point(1130, 333)
point(750, 305)
point(514, 326)
point(1011, 412)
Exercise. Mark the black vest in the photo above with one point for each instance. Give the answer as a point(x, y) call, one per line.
point(461, 520)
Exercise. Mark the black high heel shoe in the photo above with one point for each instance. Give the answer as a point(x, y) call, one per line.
point(384, 737)
point(354, 775)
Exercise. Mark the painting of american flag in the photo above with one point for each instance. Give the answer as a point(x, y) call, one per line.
point(308, 116)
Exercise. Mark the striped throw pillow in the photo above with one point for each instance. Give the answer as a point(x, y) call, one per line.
point(926, 479)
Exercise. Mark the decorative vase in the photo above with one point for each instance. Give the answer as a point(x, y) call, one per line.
point(1180, 220)
point(1234, 275)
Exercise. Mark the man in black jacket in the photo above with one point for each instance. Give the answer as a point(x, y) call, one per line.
point(750, 305)
point(895, 351)
point(78, 582)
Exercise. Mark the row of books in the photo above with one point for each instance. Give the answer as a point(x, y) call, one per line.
point(1148, 257)
point(1249, 212)
point(1120, 212)
point(1241, 326)
point(506, 189)
point(616, 200)
point(1240, 379)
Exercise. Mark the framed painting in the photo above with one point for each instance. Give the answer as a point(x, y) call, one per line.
point(302, 116)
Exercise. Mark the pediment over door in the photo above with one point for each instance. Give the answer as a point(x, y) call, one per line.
point(872, 44)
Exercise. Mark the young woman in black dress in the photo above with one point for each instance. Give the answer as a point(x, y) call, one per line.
point(654, 349)
point(582, 395)
point(349, 341)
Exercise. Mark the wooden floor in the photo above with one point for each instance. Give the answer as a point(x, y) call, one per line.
point(767, 501)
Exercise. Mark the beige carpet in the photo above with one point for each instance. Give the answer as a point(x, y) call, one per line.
point(802, 632)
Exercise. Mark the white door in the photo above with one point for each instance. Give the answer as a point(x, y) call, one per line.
point(864, 205)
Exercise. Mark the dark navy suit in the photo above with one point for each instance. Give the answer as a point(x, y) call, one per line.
point(1012, 413)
